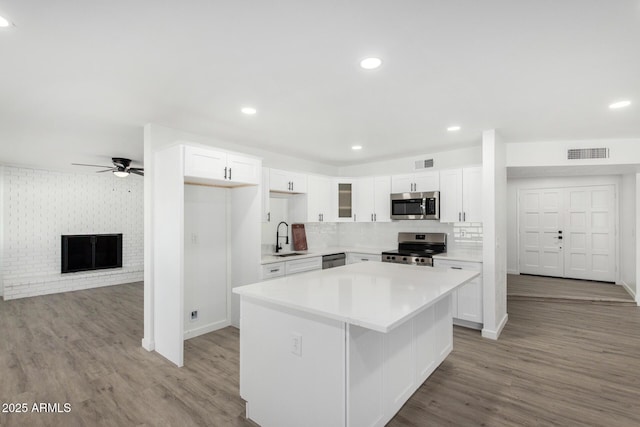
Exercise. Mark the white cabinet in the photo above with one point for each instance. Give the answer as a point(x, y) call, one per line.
point(467, 300)
point(344, 211)
point(302, 265)
point(354, 257)
point(371, 199)
point(461, 195)
point(266, 204)
point(271, 271)
point(287, 182)
point(220, 166)
point(320, 199)
point(421, 181)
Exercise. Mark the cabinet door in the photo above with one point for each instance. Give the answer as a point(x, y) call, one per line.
point(279, 180)
point(470, 301)
point(270, 271)
point(343, 199)
point(204, 163)
point(363, 199)
point(472, 194)
point(382, 201)
point(451, 195)
point(243, 169)
point(402, 183)
point(318, 198)
point(298, 182)
point(427, 181)
point(266, 212)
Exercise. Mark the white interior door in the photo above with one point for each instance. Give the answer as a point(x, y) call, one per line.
point(541, 220)
point(569, 232)
point(589, 237)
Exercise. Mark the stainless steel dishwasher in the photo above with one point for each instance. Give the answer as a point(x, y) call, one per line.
point(333, 260)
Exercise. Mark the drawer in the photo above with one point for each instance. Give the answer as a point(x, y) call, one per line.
point(354, 257)
point(270, 271)
point(305, 264)
point(463, 265)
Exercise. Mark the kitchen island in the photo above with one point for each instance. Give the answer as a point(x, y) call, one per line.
point(345, 346)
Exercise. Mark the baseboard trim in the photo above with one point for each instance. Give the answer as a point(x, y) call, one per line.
point(148, 345)
point(513, 271)
point(205, 329)
point(493, 335)
point(628, 289)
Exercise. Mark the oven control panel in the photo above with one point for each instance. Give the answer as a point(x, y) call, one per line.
point(405, 259)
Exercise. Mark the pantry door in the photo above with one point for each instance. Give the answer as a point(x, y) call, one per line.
point(541, 223)
point(569, 232)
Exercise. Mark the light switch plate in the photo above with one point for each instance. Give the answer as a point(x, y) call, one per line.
point(296, 344)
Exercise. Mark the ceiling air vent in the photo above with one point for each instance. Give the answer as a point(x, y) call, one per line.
point(588, 153)
point(423, 164)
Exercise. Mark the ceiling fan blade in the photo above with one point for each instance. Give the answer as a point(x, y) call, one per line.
point(137, 171)
point(95, 166)
point(107, 170)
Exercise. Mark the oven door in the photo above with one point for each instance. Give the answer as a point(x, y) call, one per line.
point(407, 206)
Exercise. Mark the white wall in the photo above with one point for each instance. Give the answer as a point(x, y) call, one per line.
point(441, 160)
point(554, 153)
point(494, 213)
point(40, 206)
point(516, 184)
point(627, 233)
point(1, 230)
point(205, 259)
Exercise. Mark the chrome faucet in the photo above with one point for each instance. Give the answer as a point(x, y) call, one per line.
point(278, 247)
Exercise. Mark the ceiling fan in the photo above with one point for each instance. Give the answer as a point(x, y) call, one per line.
point(121, 167)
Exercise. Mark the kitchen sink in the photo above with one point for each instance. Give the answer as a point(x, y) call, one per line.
point(290, 254)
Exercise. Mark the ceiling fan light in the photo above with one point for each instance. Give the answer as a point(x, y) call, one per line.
point(121, 174)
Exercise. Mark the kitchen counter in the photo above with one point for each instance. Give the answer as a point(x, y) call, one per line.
point(373, 295)
point(472, 255)
point(349, 345)
point(270, 259)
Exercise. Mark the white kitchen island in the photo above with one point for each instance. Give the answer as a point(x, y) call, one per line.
point(345, 346)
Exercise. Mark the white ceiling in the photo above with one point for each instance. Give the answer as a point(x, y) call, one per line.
point(80, 78)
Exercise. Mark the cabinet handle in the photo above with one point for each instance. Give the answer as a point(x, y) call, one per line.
point(275, 270)
point(364, 259)
point(320, 217)
point(225, 172)
point(375, 217)
point(268, 216)
point(457, 268)
point(229, 173)
point(459, 217)
point(371, 217)
point(291, 185)
point(464, 216)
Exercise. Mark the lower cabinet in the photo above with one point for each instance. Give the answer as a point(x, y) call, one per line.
point(354, 257)
point(285, 268)
point(467, 300)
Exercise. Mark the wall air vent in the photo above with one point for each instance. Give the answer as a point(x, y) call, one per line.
point(588, 153)
point(424, 164)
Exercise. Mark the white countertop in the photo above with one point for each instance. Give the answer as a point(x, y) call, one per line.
point(472, 255)
point(374, 295)
point(270, 259)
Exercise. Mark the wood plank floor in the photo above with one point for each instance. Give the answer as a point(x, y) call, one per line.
point(539, 287)
point(555, 364)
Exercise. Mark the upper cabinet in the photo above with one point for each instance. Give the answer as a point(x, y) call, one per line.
point(461, 195)
point(266, 203)
point(320, 199)
point(287, 182)
point(204, 165)
point(371, 199)
point(412, 182)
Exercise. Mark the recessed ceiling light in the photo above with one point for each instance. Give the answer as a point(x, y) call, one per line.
point(370, 63)
point(453, 128)
point(356, 147)
point(4, 22)
point(249, 111)
point(619, 104)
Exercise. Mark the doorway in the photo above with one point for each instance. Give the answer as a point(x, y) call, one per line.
point(568, 232)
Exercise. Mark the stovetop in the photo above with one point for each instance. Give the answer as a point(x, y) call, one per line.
point(417, 248)
point(424, 253)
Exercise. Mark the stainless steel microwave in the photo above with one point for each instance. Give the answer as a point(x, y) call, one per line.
point(425, 205)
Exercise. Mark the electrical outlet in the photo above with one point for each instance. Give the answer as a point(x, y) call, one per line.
point(194, 315)
point(296, 344)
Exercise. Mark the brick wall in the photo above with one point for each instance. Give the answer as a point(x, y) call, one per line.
point(40, 206)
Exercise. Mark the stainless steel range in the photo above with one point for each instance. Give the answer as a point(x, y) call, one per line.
point(417, 248)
